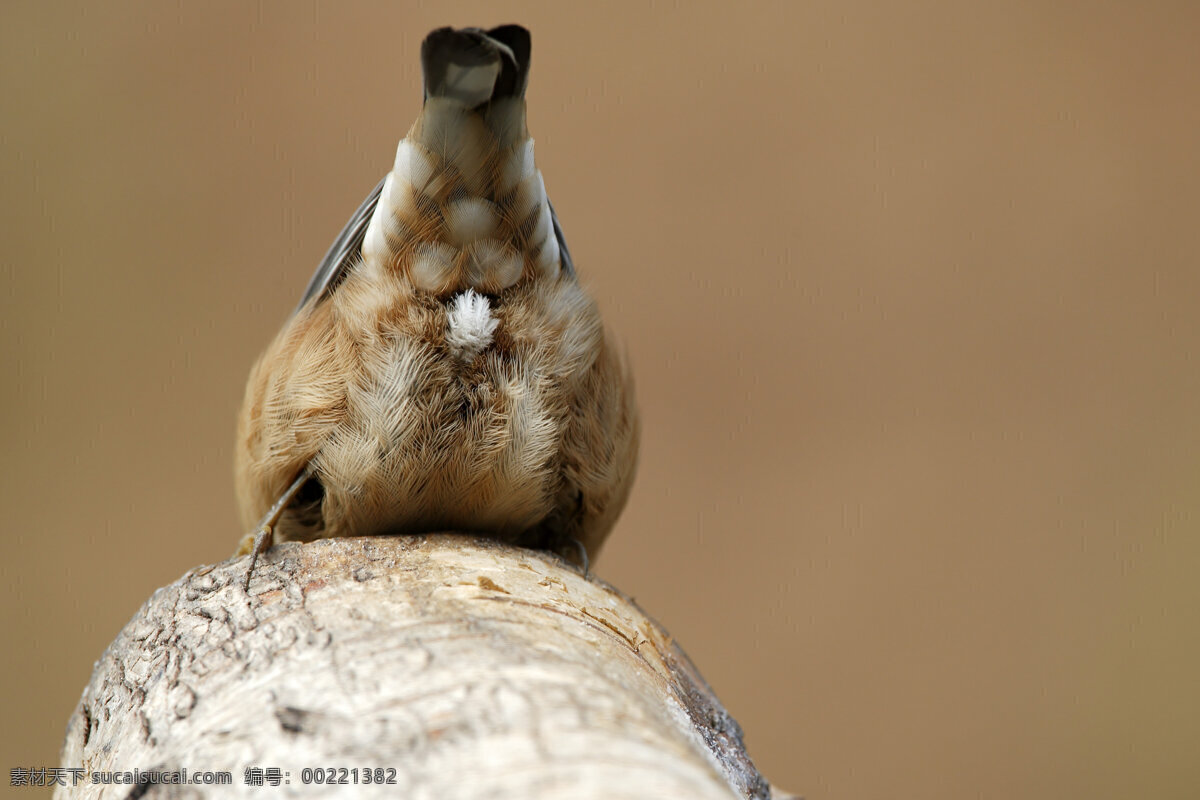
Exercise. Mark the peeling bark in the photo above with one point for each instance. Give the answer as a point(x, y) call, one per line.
point(470, 668)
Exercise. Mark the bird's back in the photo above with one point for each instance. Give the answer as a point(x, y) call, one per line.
point(454, 375)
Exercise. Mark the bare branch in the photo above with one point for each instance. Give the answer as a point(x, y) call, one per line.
point(468, 667)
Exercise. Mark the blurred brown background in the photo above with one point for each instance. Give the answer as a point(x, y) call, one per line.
point(911, 292)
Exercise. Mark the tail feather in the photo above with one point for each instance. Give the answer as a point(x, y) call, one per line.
point(464, 206)
point(475, 66)
point(514, 76)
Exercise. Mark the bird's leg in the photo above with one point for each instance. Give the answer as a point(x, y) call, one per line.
point(583, 554)
point(263, 536)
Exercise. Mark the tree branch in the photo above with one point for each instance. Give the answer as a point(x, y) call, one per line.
point(470, 668)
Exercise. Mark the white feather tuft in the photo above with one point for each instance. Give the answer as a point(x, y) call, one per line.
point(471, 325)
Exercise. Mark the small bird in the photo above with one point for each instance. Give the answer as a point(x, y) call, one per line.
point(445, 370)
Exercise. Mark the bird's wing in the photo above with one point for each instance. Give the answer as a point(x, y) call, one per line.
point(568, 266)
point(343, 252)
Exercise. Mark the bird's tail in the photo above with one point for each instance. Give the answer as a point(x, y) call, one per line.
point(465, 206)
point(475, 66)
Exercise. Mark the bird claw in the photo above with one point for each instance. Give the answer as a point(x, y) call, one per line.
point(262, 538)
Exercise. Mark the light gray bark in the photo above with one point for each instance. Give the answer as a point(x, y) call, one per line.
point(471, 668)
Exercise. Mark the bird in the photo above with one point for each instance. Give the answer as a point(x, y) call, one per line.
point(445, 370)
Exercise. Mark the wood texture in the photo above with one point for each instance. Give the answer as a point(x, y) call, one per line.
point(472, 668)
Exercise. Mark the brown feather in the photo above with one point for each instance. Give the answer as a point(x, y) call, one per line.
point(533, 438)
